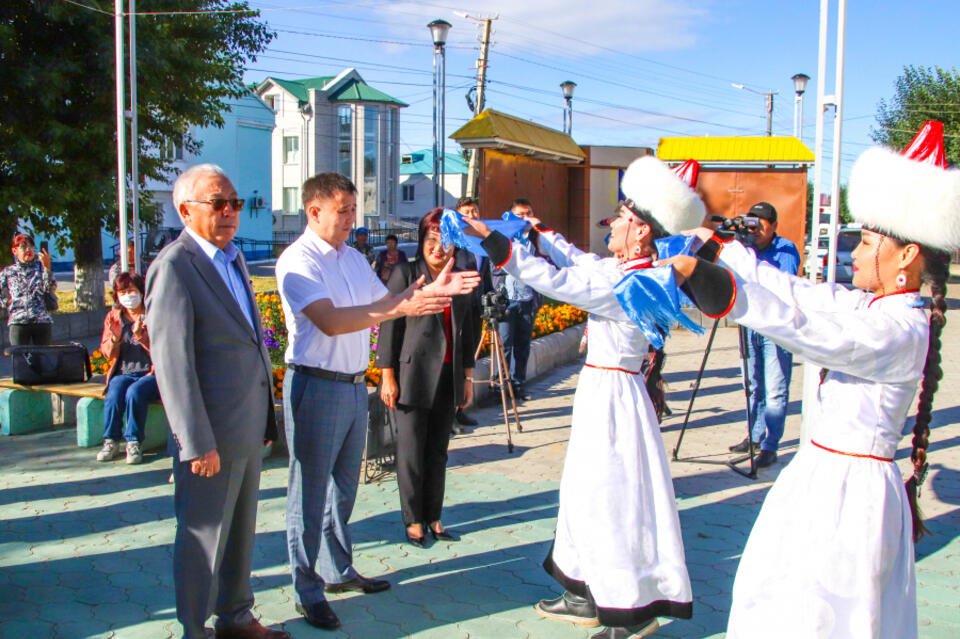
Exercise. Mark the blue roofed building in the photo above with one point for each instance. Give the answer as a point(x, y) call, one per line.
point(333, 123)
point(416, 182)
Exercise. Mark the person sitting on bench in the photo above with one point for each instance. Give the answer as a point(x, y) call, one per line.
point(131, 385)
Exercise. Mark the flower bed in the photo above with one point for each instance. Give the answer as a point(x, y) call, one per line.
point(552, 318)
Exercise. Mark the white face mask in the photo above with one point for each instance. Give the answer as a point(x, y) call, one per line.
point(130, 300)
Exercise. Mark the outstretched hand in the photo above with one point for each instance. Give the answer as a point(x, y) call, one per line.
point(476, 228)
point(449, 283)
point(683, 266)
point(416, 299)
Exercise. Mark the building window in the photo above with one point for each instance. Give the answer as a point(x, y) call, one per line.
point(407, 191)
point(345, 140)
point(291, 149)
point(371, 159)
point(173, 148)
point(271, 101)
point(291, 200)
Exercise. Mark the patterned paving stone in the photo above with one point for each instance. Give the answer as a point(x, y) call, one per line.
point(86, 549)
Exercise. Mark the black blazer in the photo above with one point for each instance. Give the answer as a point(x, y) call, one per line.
point(414, 346)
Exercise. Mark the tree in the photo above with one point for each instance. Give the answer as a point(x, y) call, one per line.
point(57, 96)
point(921, 94)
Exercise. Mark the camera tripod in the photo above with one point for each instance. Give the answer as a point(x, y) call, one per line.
point(498, 361)
point(742, 338)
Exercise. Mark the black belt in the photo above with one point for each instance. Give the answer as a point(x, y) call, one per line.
point(322, 373)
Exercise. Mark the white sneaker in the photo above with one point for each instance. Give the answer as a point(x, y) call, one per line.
point(109, 452)
point(134, 454)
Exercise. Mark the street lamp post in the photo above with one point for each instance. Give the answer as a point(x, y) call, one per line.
point(768, 102)
point(567, 88)
point(306, 112)
point(799, 86)
point(438, 30)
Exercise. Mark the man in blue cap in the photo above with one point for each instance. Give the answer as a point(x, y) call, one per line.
point(360, 243)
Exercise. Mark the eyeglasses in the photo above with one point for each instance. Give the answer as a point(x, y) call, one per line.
point(219, 203)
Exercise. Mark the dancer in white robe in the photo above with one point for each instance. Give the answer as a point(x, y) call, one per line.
point(618, 550)
point(831, 554)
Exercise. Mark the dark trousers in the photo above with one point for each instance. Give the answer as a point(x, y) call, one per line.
point(213, 547)
point(516, 333)
point(31, 334)
point(423, 435)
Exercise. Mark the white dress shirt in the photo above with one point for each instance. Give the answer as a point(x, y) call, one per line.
point(310, 269)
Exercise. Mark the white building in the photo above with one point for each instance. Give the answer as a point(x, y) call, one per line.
point(333, 123)
point(416, 182)
point(242, 148)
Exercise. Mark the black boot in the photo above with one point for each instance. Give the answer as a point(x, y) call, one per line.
point(569, 607)
point(743, 446)
point(628, 632)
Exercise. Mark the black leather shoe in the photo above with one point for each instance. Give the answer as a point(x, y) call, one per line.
point(744, 446)
point(416, 541)
point(630, 632)
point(319, 614)
point(443, 535)
point(253, 630)
point(519, 392)
point(465, 420)
point(569, 607)
point(766, 458)
point(359, 584)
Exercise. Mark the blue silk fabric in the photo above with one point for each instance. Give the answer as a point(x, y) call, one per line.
point(452, 225)
point(651, 298)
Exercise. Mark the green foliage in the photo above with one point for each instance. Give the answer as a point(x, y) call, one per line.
point(921, 94)
point(57, 96)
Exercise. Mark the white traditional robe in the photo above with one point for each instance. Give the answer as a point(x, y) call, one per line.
point(831, 554)
point(618, 532)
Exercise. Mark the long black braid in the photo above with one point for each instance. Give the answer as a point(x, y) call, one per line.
point(935, 273)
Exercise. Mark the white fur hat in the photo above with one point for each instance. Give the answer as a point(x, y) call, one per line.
point(912, 197)
point(657, 189)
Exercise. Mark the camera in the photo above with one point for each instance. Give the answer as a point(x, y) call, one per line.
point(743, 227)
point(493, 305)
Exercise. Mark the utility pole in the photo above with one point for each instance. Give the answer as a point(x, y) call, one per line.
point(486, 25)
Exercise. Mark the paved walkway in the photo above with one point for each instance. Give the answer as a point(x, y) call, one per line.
point(85, 548)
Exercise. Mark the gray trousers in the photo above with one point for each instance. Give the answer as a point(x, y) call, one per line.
point(213, 549)
point(326, 425)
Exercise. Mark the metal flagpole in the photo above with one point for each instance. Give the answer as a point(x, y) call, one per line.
point(134, 142)
point(121, 130)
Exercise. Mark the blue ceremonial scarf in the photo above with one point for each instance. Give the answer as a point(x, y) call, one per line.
point(452, 225)
point(650, 297)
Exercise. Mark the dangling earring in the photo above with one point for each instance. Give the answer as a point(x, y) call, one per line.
point(901, 280)
point(637, 250)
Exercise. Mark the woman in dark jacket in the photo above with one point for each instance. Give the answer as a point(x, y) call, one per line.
point(427, 367)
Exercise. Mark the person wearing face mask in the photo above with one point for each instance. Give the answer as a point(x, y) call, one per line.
point(131, 385)
point(427, 365)
point(27, 292)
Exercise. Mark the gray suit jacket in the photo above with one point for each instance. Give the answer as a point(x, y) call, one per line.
point(212, 367)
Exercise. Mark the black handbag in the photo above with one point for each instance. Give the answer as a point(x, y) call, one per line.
point(55, 364)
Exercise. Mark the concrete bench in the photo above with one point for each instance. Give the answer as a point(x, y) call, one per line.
point(28, 409)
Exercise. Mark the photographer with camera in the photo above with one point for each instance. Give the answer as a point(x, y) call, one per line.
point(768, 366)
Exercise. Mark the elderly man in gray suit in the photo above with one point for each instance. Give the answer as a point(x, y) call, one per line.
point(215, 379)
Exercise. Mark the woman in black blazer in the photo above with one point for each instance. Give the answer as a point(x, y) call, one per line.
point(427, 365)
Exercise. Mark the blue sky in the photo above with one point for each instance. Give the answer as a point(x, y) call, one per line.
point(644, 69)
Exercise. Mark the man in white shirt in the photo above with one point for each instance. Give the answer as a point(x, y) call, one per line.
point(331, 297)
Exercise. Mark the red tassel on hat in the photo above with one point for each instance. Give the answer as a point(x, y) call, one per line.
point(689, 171)
point(927, 145)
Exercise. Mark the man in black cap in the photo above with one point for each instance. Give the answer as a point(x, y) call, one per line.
point(768, 365)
